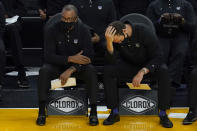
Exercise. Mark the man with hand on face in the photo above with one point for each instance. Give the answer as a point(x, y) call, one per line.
point(133, 53)
point(68, 51)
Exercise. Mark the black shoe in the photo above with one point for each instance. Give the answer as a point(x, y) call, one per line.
point(93, 120)
point(113, 118)
point(190, 118)
point(41, 120)
point(22, 80)
point(165, 121)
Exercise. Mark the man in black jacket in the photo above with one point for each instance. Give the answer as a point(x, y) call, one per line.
point(97, 14)
point(12, 37)
point(192, 87)
point(68, 51)
point(133, 53)
point(2, 48)
point(174, 21)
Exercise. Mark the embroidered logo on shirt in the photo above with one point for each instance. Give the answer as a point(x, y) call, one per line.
point(178, 8)
point(75, 41)
point(100, 7)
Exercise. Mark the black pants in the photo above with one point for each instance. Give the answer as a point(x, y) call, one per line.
point(192, 96)
point(50, 72)
point(175, 50)
point(2, 58)
point(122, 71)
point(99, 51)
point(13, 39)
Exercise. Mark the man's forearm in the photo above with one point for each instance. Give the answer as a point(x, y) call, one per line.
point(72, 69)
point(110, 47)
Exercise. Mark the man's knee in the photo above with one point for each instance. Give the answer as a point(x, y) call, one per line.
point(90, 70)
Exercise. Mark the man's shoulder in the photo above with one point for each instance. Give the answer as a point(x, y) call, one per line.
point(53, 28)
point(82, 26)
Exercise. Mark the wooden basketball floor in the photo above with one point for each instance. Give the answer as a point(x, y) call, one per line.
point(24, 120)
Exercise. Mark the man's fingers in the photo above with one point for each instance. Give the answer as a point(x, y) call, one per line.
point(85, 57)
point(137, 83)
point(114, 32)
point(109, 30)
point(84, 61)
point(63, 81)
point(133, 82)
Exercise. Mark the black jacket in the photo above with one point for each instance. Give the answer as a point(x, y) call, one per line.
point(124, 7)
point(14, 7)
point(97, 14)
point(159, 7)
point(59, 44)
point(141, 50)
point(2, 18)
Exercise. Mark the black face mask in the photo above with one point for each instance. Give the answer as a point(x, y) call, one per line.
point(68, 25)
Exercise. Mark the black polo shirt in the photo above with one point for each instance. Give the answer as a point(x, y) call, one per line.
point(61, 43)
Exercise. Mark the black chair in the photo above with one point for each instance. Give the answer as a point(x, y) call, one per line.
point(135, 18)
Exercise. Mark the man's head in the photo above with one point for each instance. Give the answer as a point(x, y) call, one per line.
point(69, 15)
point(120, 31)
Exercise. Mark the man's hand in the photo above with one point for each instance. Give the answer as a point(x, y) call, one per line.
point(137, 79)
point(66, 74)
point(95, 38)
point(109, 35)
point(165, 18)
point(79, 59)
point(178, 19)
point(42, 14)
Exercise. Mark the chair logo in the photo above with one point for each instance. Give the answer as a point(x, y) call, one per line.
point(138, 104)
point(67, 104)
